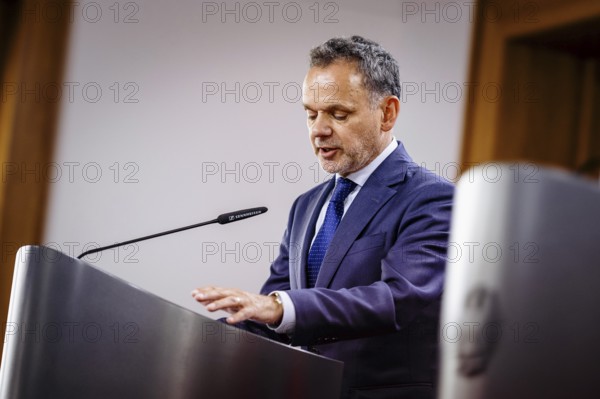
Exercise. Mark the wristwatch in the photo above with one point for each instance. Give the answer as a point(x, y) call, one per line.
point(279, 302)
point(277, 298)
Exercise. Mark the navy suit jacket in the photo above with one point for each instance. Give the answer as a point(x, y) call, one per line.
point(375, 305)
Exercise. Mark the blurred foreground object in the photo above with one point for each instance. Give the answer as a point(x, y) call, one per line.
point(520, 312)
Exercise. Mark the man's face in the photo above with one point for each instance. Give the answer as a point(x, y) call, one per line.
point(344, 128)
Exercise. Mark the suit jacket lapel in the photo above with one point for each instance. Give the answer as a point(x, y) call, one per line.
point(306, 232)
point(371, 197)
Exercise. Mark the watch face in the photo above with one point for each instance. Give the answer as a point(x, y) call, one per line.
point(277, 298)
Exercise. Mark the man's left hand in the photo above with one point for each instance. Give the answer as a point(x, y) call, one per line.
point(240, 304)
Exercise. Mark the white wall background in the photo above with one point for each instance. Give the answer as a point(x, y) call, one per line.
point(156, 155)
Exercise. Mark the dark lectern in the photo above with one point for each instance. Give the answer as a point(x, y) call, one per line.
point(75, 331)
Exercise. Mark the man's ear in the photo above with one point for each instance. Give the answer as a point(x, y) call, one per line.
point(390, 106)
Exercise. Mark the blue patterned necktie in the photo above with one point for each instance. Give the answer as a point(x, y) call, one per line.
point(335, 210)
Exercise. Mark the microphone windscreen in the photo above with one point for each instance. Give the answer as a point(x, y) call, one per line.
point(239, 215)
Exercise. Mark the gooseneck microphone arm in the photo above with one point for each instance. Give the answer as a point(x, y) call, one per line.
point(221, 219)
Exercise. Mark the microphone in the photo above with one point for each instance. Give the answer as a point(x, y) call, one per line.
point(221, 219)
point(239, 215)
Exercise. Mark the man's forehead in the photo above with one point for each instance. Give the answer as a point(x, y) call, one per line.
point(335, 83)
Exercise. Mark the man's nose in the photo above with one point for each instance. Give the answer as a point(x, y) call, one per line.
point(321, 126)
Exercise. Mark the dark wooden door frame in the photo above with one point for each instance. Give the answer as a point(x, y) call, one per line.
point(499, 23)
point(32, 53)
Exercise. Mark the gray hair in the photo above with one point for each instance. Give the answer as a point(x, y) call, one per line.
point(381, 75)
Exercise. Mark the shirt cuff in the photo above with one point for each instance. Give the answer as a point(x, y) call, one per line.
point(288, 320)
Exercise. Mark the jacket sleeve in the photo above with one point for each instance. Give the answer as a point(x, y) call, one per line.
point(279, 277)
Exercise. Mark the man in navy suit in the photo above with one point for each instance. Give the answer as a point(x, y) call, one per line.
point(359, 275)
